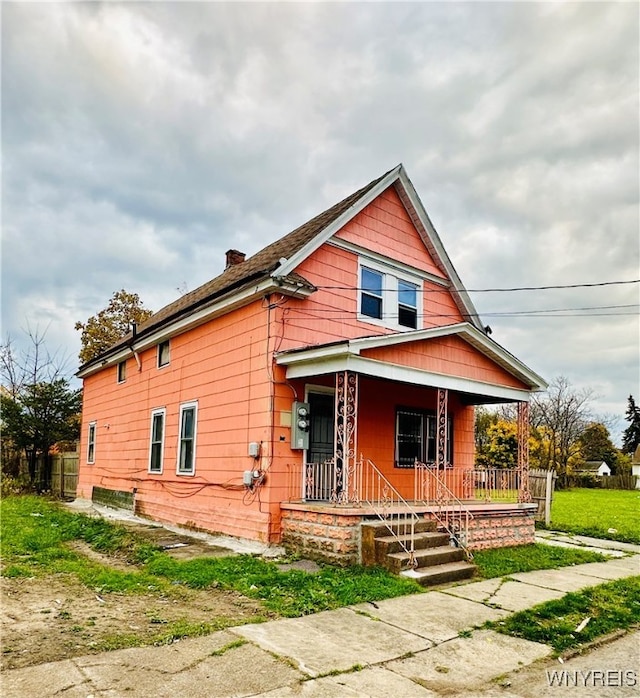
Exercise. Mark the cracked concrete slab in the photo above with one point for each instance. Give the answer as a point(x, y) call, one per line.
point(332, 640)
point(476, 591)
point(604, 571)
point(373, 682)
point(464, 664)
point(564, 579)
point(516, 596)
point(435, 616)
point(44, 680)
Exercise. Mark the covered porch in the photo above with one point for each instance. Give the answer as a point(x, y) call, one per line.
point(392, 439)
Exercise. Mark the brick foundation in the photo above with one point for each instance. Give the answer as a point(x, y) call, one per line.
point(330, 536)
point(333, 535)
point(501, 529)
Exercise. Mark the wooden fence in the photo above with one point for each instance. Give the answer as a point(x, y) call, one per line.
point(541, 485)
point(64, 473)
point(618, 482)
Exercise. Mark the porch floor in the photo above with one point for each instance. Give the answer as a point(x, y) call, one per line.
point(473, 506)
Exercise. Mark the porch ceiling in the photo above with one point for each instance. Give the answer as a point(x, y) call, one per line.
point(346, 356)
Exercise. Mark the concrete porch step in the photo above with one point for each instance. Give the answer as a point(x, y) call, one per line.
point(440, 574)
point(377, 529)
point(428, 557)
point(427, 539)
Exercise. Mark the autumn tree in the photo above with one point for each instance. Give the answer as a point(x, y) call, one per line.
point(500, 447)
point(39, 406)
point(631, 435)
point(558, 419)
point(112, 323)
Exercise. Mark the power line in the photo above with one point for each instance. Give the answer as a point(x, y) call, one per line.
point(497, 290)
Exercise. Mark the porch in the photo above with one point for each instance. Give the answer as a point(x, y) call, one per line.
point(471, 509)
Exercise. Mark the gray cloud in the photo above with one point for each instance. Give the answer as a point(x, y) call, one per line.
point(141, 140)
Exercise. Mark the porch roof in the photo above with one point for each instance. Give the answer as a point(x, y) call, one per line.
point(346, 356)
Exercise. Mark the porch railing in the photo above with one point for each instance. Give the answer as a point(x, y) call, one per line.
point(477, 484)
point(450, 512)
point(362, 484)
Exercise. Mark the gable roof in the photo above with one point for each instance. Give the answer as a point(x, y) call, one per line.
point(277, 261)
point(348, 355)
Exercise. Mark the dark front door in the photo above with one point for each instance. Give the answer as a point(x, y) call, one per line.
point(319, 481)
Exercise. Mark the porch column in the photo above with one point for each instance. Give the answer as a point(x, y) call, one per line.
point(441, 436)
point(524, 495)
point(346, 446)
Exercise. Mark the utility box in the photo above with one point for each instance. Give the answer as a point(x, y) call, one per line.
point(300, 422)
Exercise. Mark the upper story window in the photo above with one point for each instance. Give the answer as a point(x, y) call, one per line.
point(389, 297)
point(164, 354)
point(187, 439)
point(122, 372)
point(91, 443)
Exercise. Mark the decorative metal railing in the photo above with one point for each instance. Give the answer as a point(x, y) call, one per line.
point(450, 513)
point(362, 484)
point(477, 484)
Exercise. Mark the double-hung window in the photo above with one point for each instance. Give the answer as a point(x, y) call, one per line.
point(156, 448)
point(407, 304)
point(371, 293)
point(187, 438)
point(416, 438)
point(389, 297)
point(164, 353)
point(91, 443)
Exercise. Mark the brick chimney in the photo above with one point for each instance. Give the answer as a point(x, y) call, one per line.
point(234, 257)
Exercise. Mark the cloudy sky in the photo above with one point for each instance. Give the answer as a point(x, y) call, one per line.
point(142, 140)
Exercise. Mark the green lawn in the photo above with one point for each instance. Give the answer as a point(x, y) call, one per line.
point(579, 617)
point(612, 514)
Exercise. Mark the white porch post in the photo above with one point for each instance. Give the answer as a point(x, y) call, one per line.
point(441, 435)
point(524, 494)
point(346, 444)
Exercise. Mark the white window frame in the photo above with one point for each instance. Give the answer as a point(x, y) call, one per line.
point(121, 365)
point(166, 343)
point(155, 413)
point(91, 442)
point(183, 408)
point(390, 295)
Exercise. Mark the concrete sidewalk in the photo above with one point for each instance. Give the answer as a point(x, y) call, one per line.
point(420, 645)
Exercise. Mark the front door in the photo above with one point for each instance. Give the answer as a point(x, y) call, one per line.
point(319, 480)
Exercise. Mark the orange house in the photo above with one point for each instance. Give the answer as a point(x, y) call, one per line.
point(326, 381)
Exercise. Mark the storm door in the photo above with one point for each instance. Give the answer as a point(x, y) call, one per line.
point(319, 469)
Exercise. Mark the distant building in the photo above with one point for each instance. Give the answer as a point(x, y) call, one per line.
point(594, 467)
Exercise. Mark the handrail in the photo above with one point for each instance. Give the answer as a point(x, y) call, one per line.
point(394, 512)
point(451, 514)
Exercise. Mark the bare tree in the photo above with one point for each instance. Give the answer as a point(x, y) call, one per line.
point(39, 407)
point(559, 418)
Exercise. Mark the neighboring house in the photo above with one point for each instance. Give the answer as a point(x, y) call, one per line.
point(635, 466)
point(289, 398)
point(593, 467)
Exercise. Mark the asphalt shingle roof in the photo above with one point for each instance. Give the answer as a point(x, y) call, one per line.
point(256, 268)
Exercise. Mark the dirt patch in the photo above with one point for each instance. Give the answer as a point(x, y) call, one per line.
point(56, 617)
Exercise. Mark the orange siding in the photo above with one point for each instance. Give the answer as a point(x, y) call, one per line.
point(226, 366)
point(223, 366)
point(450, 356)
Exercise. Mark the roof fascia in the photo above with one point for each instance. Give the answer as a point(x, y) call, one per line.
point(221, 306)
point(434, 244)
point(290, 264)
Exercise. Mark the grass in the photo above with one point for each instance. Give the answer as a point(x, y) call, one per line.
point(601, 513)
point(35, 533)
point(579, 617)
point(501, 562)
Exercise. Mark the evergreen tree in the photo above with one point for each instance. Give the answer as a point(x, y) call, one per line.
point(631, 435)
